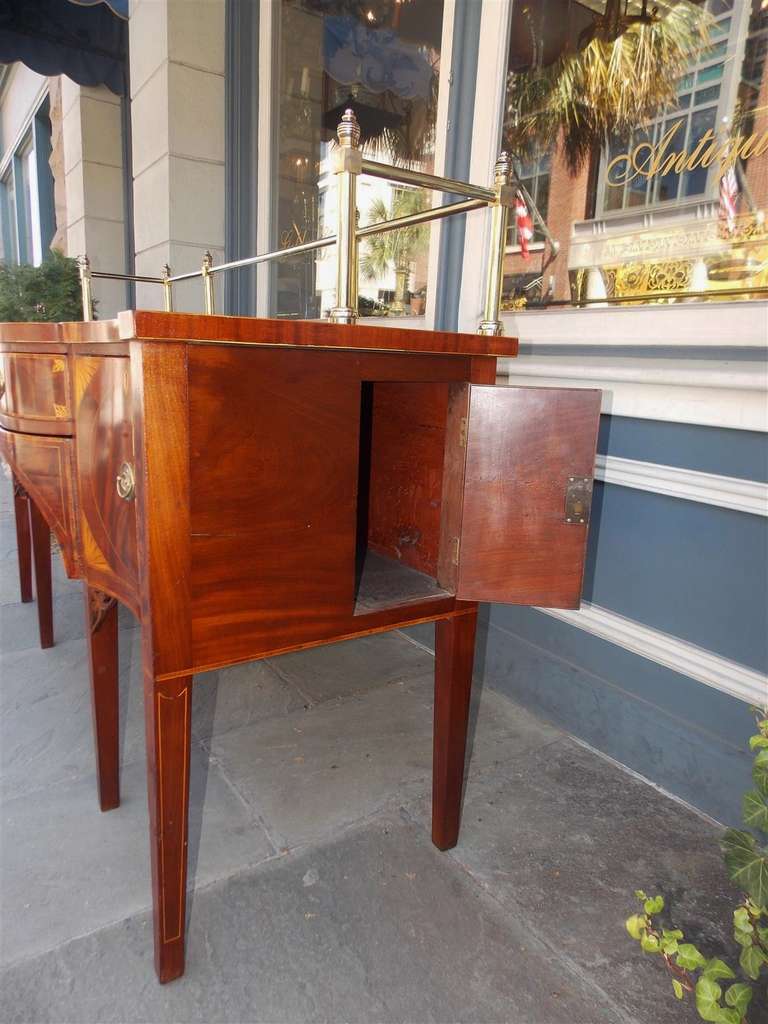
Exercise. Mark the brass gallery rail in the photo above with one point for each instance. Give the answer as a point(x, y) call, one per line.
point(348, 164)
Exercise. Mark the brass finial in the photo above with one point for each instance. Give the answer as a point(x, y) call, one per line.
point(503, 168)
point(348, 131)
point(207, 260)
point(167, 288)
point(84, 264)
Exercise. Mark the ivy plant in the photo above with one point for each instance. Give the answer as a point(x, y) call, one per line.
point(712, 983)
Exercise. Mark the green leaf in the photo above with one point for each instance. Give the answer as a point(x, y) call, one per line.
point(763, 934)
point(729, 1016)
point(678, 988)
point(650, 944)
point(640, 895)
point(717, 969)
point(743, 938)
point(758, 742)
point(654, 905)
point(760, 772)
point(669, 946)
point(741, 919)
point(754, 809)
point(708, 994)
point(751, 959)
point(689, 958)
point(739, 996)
point(747, 864)
point(671, 933)
point(636, 925)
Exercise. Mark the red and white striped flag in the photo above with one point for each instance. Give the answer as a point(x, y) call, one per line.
point(729, 192)
point(524, 223)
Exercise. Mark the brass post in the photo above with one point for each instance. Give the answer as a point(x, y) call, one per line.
point(348, 163)
point(210, 305)
point(491, 323)
point(167, 289)
point(84, 269)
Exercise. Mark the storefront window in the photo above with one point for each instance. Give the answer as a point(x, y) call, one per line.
point(674, 204)
point(381, 58)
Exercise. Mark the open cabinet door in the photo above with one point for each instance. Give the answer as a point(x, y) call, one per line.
point(517, 491)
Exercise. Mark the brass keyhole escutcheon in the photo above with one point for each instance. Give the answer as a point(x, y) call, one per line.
point(125, 481)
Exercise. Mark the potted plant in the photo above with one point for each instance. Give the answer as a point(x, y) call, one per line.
point(395, 250)
point(50, 292)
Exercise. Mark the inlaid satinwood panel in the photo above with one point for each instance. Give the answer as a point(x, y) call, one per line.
point(35, 388)
point(104, 439)
point(44, 466)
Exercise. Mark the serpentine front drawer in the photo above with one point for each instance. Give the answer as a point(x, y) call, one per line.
point(35, 393)
point(44, 466)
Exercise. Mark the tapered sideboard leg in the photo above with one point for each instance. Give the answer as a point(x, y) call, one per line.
point(41, 553)
point(168, 712)
point(454, 656)
point(23, 540)
point(101, 634)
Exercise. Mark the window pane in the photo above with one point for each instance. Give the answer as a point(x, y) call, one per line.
point(695, 181)
point(28, 199)
point(10, 243)
point(711, 74)
point(656, 212)
point(384, 62)
point(706, 95)
point(668, 183)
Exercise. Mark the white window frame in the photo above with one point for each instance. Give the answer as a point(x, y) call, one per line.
point(486, 142)
point(20, 148)
point(266, 213)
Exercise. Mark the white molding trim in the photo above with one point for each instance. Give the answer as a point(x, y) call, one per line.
point(715, 393)
point(722, 674)
point(691, 485)
point(677, 325)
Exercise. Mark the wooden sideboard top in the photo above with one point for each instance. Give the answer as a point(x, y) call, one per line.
point(240, 330)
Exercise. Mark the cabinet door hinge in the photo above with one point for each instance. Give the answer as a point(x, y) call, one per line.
point(456, 543)
point(463, 432)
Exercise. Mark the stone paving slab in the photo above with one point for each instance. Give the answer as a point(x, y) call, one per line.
point(327, 753)
point(46, 735)
point(376, 925)
point(68, 869)
point(563, 837)
point(313, 771)
point(18, 622)
point(352, 668)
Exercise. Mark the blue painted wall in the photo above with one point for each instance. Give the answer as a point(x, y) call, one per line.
point(741, 453)
point(695, 571)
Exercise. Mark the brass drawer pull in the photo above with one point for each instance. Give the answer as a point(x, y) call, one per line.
point(126, 482)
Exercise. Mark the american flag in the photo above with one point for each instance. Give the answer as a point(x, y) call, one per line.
point(524, 224)
point(729, 192)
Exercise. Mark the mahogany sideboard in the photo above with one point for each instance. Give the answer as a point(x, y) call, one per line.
point(249, 487)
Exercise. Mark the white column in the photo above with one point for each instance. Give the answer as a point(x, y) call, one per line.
point(486, 144)
point(91, 139)
point(177, 117)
